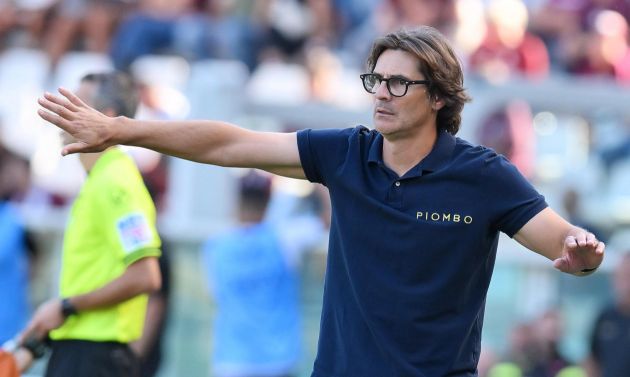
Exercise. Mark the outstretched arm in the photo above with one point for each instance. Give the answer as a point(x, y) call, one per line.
point(210, 142)
point(573, 250)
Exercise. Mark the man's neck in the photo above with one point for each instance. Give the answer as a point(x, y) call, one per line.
point(89, 159)
point(251, 217)
point(402, 154)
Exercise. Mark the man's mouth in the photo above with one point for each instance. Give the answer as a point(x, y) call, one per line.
point(382, 111)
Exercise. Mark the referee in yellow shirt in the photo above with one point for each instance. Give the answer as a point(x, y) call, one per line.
point(110, 253)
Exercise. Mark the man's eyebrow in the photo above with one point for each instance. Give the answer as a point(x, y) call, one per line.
point(400, 77)
point(396, 76)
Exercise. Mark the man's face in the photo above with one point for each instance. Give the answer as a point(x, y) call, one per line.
point(397, 117)
point(85, 92)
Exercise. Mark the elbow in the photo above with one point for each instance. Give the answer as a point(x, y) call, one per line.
point(153, 282)
point(149, 277)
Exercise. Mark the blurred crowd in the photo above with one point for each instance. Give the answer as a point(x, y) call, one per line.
point(496, 39)
point(534, 346)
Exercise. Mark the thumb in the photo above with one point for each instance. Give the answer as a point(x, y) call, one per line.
point(73, 148)
point(561, 264)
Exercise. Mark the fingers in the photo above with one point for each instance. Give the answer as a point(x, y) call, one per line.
point(52, 105)
point(561, 264)
point(600, 248)
point(72, 97)
point(581, 239)
point(54, 119)
point(61, 101)
point(571, 242)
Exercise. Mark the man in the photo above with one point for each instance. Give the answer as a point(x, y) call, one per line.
point(252, 273)
point(610, 340)
point(416, 212)
point(110, 255)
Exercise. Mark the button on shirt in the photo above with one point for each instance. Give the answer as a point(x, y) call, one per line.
point(410, 258)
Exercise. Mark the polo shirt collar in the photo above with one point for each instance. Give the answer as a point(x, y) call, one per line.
point(439, 155)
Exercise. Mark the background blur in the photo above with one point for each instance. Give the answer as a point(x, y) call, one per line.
point(549, 79)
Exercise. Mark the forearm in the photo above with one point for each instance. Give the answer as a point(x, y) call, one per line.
point(141, 277)
point(212, 142)
point(156, 308)
point(200, 141)
point(546, 234)
point(572, 249)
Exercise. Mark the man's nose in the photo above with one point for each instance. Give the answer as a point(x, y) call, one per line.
point(381, 91)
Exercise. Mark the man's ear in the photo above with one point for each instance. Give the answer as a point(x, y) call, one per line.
point(437, 103)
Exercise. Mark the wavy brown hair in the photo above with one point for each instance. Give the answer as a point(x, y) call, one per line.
point(438, 64)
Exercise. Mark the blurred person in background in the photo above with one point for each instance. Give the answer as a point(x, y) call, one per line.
point(572, 202)
point(389, 15)
point(416, 211)
point(17, 358)
point(605, 51)
point(509, 50)
point(18, 249)
point(286, 31)
point(160, 26)
point(24, 22)
point(89, 24)
point(610, 340)
point(587, 38)
point(521, 352)
point(487, 359)
point(110, 252)
point(549, 361)
point(148, 347)
point(252, 272)
point(509, 131)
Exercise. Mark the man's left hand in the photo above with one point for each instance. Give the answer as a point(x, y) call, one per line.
point(581, 251)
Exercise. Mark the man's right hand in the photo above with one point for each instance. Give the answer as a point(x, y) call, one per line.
point(92, 130)
point(46, 318)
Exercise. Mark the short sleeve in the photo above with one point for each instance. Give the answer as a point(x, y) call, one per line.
point(131, 221)
point(322, 152)
point(513, 200)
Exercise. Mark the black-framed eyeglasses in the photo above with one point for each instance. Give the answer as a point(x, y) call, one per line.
point(397, 86)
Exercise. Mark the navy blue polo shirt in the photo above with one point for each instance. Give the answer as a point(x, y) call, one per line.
point(410, 258)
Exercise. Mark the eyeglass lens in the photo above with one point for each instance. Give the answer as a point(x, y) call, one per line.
point(396, 86)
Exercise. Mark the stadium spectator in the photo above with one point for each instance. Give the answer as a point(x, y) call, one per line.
point(252, 272)
point(610, 340)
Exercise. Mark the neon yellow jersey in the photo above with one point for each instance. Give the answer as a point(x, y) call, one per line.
point(111, 225)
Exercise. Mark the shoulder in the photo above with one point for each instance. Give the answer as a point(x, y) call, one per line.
point(481, 156)
point(322, 151)
point(338, 134)
point(118, 172)
point(120, 188)
point(119, 166)
point(484, 165)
